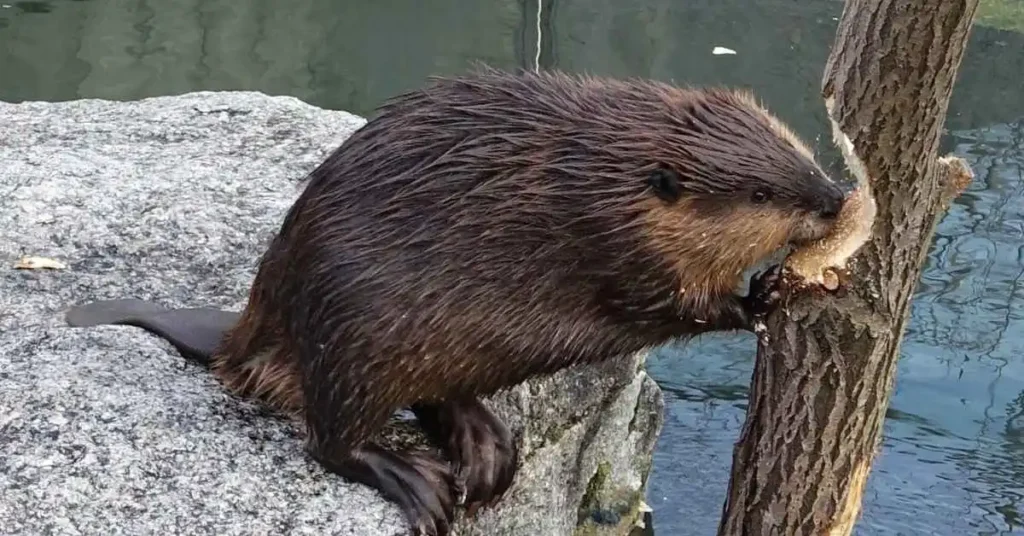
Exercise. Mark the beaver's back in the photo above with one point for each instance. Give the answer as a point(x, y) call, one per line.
point(480, 215)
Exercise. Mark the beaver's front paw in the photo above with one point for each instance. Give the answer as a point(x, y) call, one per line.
point(764, 293)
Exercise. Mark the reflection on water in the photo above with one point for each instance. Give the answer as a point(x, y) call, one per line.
point(966, 340)
point(952, 461)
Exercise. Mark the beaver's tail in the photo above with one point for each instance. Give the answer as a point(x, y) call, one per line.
point(194, 332)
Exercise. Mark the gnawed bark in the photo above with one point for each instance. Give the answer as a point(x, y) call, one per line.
point(827, 356)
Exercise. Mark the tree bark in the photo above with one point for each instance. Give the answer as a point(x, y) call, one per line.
point(827, 356)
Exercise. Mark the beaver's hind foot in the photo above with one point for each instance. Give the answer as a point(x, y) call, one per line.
point(419, 483)
point(481, 447)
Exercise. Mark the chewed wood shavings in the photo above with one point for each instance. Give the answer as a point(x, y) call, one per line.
point(39, 263)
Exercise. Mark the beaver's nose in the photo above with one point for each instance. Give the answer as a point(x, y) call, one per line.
point(830, 202)
point(830, 208)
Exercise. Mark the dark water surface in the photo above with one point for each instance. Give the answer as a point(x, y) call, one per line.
point(953, 457)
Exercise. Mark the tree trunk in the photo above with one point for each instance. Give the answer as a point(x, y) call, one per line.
point(826, 358)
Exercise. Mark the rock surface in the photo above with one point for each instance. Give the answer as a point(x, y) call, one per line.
point(108, 431)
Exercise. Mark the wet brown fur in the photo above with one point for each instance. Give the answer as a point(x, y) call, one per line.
point(490, 228)
point(458, 243)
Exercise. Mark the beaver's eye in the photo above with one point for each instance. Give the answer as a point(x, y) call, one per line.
point(665, 183)
point(761, 196)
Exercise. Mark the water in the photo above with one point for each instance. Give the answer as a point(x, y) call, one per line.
point(953, 457)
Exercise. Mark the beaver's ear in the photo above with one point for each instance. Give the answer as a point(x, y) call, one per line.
point(666, 184)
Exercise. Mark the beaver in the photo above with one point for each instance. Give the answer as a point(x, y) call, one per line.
point(487, 228)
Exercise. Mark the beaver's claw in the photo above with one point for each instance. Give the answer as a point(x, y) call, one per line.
point(764, 293)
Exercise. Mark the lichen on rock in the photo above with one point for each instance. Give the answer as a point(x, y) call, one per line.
point(107, 430)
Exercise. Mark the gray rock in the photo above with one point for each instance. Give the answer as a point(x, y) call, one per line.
point(108, 431)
